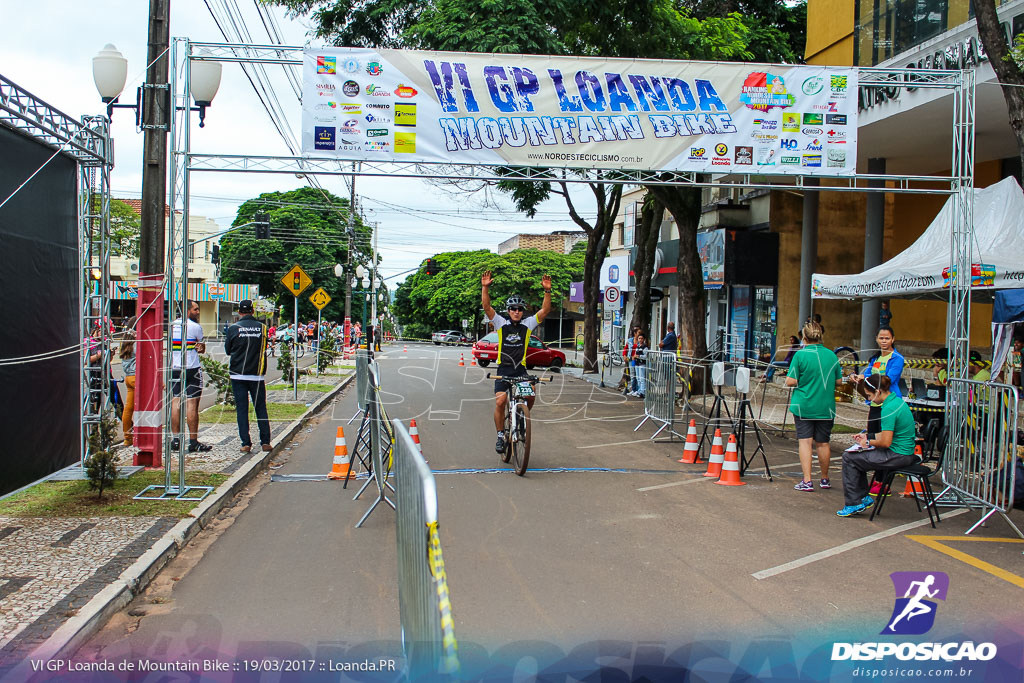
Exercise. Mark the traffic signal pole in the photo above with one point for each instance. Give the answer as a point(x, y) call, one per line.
point(150, 306)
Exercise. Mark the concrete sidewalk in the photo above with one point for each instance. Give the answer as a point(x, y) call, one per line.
point(62, 577)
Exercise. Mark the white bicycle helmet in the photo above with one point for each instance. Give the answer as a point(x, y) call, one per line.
point(514, 300)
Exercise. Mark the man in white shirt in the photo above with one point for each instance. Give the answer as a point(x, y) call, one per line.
point(193, 345)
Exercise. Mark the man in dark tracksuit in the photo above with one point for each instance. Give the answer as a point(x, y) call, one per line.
point(246, 344)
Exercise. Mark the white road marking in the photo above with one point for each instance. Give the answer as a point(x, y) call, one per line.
point(617, 443)
point(850, 545)
point(676, 483)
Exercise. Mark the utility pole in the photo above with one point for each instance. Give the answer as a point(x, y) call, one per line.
point(150, 308)
point(347, 327)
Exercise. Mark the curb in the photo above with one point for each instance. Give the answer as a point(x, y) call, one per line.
point(73, 633)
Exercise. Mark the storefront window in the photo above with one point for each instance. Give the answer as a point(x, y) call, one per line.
point(885, 28)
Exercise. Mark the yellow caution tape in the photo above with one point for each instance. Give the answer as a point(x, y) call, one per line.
point(450, 656)
point(918, 363)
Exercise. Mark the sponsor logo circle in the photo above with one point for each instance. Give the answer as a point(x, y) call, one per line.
point(813, 85)
point(721, 149)
point(350, 88)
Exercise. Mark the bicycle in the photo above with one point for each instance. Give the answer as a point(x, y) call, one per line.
point(613, 358)
point(517, 419)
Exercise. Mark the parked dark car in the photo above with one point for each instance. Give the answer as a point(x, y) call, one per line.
point(538, 354)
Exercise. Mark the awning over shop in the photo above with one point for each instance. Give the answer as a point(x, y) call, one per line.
point(197, 291)
point(922, 270)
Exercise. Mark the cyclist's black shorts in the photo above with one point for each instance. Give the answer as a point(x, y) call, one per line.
point(503, 385)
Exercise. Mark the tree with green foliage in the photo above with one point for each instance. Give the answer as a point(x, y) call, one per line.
point(101, 465)
point(308, 227)
point(426, 303)
point(125, 225)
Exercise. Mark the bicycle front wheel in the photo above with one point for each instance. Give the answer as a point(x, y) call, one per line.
point(506, 454)
point(300, 352)
point(521, 440)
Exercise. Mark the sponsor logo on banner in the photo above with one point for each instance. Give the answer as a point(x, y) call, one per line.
point(405, 92)
point(744, 156)
point(766, 157)
point(374, 68)
point(350, 66)
point(814, 120)
point(325, 106)
point(838, 85)
point(698, 154)
point(789, 161)
point(323, 137)
point(834, 162)
point(325, 89)
point(378, 105)
point(913, 614)
point(377, 118)
point(378, 146)
point(326, 65)
point(837, 155)
point(721, 149)
point(350, 88)
point(813, 85)
point(350, 126)
point(405, 114)
point(822, 107)
point(764, 138)
point(374, 90)
point(349, 146)
point(789, 143)
point(814, 145)
point(837, 137)
point(377, 132)
point(811, 130)
point(835, 119)
point(762, 91)
point(352, 108)
point(811, 160)
point(325, 118)
point(769, 124)
point(720, 161)
point(405, 143)
point(790, 122)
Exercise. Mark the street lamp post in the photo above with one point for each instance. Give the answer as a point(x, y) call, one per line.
point(153, 113)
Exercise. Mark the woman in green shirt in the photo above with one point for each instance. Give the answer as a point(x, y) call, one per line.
point(892, 446)
point(814, 373)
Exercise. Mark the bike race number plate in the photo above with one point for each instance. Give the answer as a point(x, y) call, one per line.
point(523, 389)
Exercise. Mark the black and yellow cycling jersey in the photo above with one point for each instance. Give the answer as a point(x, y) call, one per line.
point(513, 342)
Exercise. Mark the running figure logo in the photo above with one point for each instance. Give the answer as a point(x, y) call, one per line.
point(914, 612)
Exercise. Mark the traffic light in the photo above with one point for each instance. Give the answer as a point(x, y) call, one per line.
point(215, 254)
point(432, 267)
point(262, 221)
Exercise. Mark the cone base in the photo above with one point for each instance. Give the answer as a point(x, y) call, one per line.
point(731, 483)
point(339, 475)
point(716, 475)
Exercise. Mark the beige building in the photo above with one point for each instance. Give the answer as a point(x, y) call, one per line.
point(560, 241)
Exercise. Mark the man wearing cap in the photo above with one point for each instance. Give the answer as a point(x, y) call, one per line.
point(246, 345)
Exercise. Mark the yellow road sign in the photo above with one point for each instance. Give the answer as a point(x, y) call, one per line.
point(320, 298)
point(296, 280)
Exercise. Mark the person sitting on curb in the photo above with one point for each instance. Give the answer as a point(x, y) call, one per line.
point(892, 446)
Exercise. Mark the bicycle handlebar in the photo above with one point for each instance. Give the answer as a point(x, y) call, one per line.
point(524, 378)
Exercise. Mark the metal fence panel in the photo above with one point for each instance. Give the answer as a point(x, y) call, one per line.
point(428, 635)
point(978, 469)
point(362, 380)
point(660, 393)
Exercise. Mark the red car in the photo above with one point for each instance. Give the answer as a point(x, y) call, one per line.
point(539, 353)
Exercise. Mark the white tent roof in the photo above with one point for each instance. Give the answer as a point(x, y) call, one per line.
point(922, 270)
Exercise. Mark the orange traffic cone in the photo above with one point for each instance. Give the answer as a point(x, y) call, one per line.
point(415, 434)
point(462, 360)
point(717, 456)
point(914, 487)
point(472, 361)
point(405, 348)
point(342, 462)
point(731, 466)
point(691, 451)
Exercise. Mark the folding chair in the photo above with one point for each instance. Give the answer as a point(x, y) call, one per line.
point(919, 472)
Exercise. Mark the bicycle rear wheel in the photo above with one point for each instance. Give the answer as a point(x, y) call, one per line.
point(521, 442)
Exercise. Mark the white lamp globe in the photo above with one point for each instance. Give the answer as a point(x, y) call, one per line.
point(109, 72)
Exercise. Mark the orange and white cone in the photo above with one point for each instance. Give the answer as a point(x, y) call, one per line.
point(462, 360)
point(414, 432)
point(405, 348)
point(691, 451)
point(472, 361)
point(717, 456)
point(731, 466)
point(342, 462)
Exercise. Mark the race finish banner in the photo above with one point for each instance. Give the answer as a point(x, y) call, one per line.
point(534, 110)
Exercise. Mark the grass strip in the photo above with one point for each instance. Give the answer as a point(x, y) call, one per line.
point(277, 412)
point(308, 386)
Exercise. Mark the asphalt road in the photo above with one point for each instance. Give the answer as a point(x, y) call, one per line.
point(591, 562)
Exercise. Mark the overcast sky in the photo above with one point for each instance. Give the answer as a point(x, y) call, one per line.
point(48, 47)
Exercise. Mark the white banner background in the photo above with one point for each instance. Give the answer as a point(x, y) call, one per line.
point(534, 110)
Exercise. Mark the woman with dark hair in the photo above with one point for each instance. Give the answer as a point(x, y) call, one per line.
point(127, 355)
point(790, 349)
point(892, 446)
point(889, 362)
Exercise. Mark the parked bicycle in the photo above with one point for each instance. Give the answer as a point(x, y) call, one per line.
point(613, 358)
point(517, 419)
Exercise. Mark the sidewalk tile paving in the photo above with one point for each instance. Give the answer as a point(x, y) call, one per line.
point(51, 567)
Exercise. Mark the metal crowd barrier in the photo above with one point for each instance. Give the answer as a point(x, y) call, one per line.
point(381, 440)
point(428, 633)
point(362, 382)
point(979, 465)
point(660, 394)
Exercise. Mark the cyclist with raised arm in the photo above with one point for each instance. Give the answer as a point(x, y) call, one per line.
point(513, 343)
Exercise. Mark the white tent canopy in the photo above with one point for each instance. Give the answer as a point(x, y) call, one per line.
point(922, 270)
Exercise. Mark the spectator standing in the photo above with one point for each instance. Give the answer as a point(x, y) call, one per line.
point(817, 319)
point(640, 349)
point(814, 372)
point(127, 355)
point(377, 335)
point(629, 372)
point(187, 335)
point(884, 315)
point(979, 373)
point(246, 345)
point(671, 341)
point(892, 446)
point(790, 350)
point(889, 362)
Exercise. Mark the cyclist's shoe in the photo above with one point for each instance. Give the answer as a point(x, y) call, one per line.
point(499, 445)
